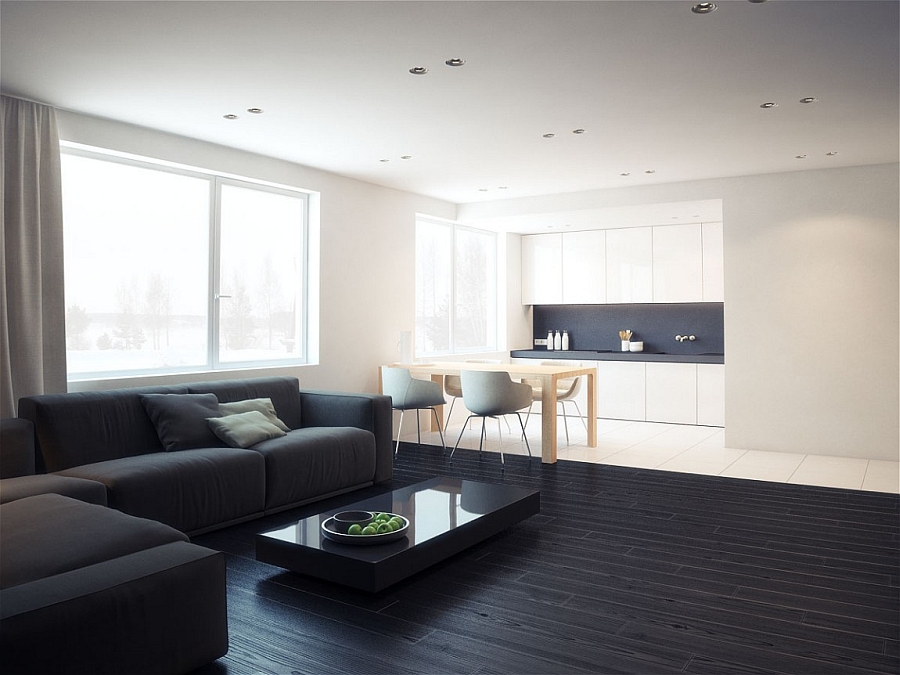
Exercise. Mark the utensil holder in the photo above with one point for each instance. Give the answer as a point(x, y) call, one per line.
point(626, 345)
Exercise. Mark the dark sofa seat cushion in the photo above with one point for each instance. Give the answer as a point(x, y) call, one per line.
point(316, 461)
point(190, 490)
point(89, 491)
point(50, 534)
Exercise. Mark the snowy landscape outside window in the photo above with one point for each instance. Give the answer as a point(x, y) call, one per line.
point(456, 289)
point(173, 270)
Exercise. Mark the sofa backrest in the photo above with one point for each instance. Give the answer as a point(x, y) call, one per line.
point(80, 428)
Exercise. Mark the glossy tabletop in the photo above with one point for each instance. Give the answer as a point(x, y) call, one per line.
point(447, 515)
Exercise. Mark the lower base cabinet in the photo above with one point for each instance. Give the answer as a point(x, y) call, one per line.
point(621, 390)
point(672, 393)
point(711, 394)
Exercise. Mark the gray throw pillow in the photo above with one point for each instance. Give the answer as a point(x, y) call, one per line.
point(263, 405)
point(180, 419)
point(242, 430)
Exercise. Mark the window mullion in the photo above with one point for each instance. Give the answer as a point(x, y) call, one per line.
point(215, 281)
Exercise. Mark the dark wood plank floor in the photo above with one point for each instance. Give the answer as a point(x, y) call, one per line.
point(623, 571)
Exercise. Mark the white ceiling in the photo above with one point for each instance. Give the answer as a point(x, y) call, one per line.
point(655, 86)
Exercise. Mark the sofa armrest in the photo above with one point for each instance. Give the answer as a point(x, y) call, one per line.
point(371, 412)
point(16, 447)
point(158, 610)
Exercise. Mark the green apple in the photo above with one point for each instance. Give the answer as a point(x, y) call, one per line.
point(355, 529)
point(369, 529)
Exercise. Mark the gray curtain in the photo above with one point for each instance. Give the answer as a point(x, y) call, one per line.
point(32, 303)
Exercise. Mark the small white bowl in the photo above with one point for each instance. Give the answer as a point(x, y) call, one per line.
point(636, 346)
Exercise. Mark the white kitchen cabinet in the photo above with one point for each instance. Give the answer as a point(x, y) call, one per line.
point(629, 265)
point(584, 267)
point(678, 263)
point(713, 263)
point(711, 394)
point(542, 269)
point(621, 391)
point(672, 392)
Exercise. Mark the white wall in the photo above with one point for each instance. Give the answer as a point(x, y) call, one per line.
point(811, 302)
point(367, 253)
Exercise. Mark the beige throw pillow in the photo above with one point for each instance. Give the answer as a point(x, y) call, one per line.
point(244, 429)
point(263, 405)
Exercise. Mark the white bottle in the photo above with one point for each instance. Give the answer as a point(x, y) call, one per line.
point(565, 341)
point(557, 341)
point(549, 340)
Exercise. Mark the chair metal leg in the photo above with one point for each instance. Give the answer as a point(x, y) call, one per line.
point(522, 424)
point(461, 432)
point(418, 428)
point(565, 420)
point(481, 438)
point(399, 431)
point(500, 434)
point(450, 414)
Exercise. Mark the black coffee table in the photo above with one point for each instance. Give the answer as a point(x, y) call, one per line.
point(447, 515)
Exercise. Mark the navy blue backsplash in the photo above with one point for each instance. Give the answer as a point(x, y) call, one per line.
point(596, 327)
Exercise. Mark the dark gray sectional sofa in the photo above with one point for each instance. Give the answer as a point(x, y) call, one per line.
point(96, 570)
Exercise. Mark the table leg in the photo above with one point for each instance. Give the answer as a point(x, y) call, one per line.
point(439, 409)
point(548, 419)
point(592, 409)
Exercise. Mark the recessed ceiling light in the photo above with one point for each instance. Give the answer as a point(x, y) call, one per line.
point(406, 157)
point(768, 105)
point(549, 135)
point(625, 173)
point(482, 189)
point(418, 70)
point(230, 117)
point(455, 63)
point(384, 160)
point(255, 111)
point(503, 187)
point(650, 171)
point(704, 8)
point(809, 99)
point(577, 131)
point(832, 153)
point(800, 157)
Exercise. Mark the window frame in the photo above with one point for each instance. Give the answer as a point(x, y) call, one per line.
point(215, 180)
point(494, 310)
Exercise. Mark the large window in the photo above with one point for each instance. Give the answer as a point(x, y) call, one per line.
point(172, 270)
point(456, 289)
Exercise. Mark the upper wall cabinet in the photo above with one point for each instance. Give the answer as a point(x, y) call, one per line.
point(542, 269)
point(584, 267)
point(629, 265)
point(667, 263)
point(677, 263)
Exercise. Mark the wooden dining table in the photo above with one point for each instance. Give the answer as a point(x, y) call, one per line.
point(548, 376)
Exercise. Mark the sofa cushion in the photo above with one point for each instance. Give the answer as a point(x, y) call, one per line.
point(19, 487)
point(50, 534)
point(190, 490)
point(283, 391)
point(91, 426)
point(263, 405)
point(242, 430)
point(316, 461)
point(180, 419)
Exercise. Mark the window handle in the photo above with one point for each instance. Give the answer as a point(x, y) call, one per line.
point(219, 296)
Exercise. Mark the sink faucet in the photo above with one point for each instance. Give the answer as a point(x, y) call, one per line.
point(682, 338)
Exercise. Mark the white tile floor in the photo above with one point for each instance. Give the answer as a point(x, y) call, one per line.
point(674, 447)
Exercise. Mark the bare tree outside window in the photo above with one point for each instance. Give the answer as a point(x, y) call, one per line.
point(456, 289)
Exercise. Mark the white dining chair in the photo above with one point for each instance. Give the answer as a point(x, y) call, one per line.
point(410, 393)
point(567, 390)
point(493, 394)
